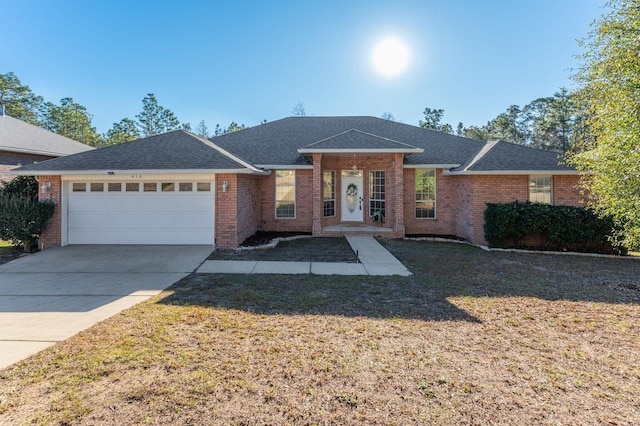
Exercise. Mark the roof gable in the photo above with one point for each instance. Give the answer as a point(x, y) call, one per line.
point(358, 141)
point(19, 136)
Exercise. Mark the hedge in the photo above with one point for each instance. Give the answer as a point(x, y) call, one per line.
point(546, 227)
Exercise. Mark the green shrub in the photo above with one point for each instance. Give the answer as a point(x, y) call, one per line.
point(22, 217)
point(21, 186)
point(543, 226)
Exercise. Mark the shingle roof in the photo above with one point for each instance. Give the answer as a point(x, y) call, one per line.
point(284, 143)
point(501, 156)
point(355, 140)
point(18, 136)
point(277, 143)
point(174, 151)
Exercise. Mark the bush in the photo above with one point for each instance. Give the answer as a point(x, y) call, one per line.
point(21, 186)
point(543, 226)
point(22, 217)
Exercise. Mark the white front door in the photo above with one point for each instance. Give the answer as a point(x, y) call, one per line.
point(351, 190)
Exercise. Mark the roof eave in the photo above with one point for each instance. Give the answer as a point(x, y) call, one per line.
point(285, 166)
point(38, 152)
point(511, 172)
point(431, 166)
point(19, 172)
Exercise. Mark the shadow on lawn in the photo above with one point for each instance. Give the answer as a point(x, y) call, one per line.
point(441, 271)
point(374, 297)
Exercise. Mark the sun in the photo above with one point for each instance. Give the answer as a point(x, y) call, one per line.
point(390, 57)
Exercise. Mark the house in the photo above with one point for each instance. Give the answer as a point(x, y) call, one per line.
point(324, 175)
point(23, 143)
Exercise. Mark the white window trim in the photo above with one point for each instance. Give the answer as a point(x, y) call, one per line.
point(384, 200)
point(275, 204)
point(435, 195)
point(333, 182)
point(550, 188)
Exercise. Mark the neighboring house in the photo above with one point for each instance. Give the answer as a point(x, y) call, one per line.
point(23, 143)
point(324, 175)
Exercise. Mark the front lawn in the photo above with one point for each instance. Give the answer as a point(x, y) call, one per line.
point(473, 338)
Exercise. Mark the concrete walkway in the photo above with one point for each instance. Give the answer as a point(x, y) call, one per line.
point(374, 260)
point(52, 295)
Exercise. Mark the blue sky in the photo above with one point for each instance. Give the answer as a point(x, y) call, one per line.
point(246, 61)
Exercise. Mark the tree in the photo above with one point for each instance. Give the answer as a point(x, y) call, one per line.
point(299, 110)
point(124, 131)
point(610, 82)
point(70, 119)
point(388, 116)
point(234, 127)
point(432, 121)
point(477, 133)
point(551, 121)
point(509, 126)
point(202, 129)
point(20, 102)
point(155, 119)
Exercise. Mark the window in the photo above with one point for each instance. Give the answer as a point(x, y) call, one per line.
point(285, 193)
point(96, 187)
point(114, 187)
point(329, 193)
point(79, 187)
point(425, 194)
point(540, 189)
point(203, 186)
point(185, 186)
point(150, 186)
point(376, 192)
point(132, 186)
point(168, 187)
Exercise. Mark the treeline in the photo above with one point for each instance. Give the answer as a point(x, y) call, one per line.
point(556, 122)
point(69, 118)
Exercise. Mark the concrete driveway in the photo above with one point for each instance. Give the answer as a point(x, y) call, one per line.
point(52, 295)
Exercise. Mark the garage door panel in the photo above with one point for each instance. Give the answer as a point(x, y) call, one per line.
point(140, 218)
point(89, 203)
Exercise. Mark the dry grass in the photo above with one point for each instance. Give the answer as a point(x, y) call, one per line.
point(472, 338)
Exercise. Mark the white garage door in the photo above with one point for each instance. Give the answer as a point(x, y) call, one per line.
point(140, 213)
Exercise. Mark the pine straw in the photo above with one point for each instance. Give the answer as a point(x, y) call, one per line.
point(473, 338)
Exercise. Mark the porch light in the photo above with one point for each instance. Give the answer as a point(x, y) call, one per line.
point(225, 185)
point(45, 187)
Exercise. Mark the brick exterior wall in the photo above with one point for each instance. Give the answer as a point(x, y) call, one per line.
point(509, 188)
point(566, 191)
point(52, 236)
point(303, 221)
point(11, 160)
point(236, 210)
point(249, 203)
